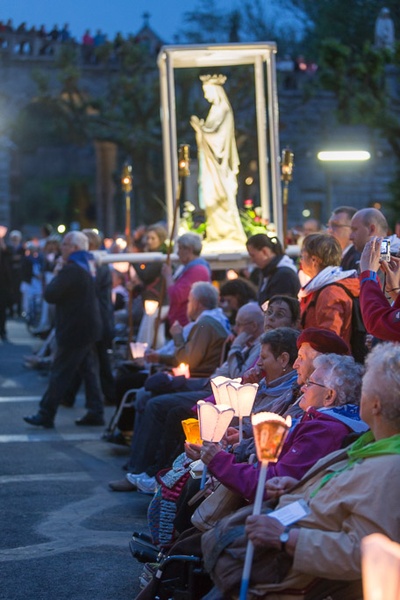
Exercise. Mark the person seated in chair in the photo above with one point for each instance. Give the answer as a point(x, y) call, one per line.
point(330, 400)
point(346, 493)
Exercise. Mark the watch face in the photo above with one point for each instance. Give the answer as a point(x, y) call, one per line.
point(284, 537)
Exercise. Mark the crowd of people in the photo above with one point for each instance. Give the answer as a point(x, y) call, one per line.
point(95, 46)
point(319, 336)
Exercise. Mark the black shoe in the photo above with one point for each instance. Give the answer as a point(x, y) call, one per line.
point(116, 438)
point(67, 403)
point(89, 419)
point(39, 421)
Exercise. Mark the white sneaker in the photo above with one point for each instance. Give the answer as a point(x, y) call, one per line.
point(146, 484)
point(133, 477)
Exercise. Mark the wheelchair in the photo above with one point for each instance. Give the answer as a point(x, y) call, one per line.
point(182, 577)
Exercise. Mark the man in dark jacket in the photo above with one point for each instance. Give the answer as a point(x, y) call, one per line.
point(5, 282)
point(78, 328)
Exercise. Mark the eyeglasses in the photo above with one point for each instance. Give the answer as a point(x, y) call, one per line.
point(308, 383)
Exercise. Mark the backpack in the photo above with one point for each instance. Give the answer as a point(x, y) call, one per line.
point(358, 332)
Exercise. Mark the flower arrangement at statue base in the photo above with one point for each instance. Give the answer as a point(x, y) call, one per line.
point(253, 222)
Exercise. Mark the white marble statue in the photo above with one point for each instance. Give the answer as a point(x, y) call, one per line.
point(384, 30)
point(218, 167)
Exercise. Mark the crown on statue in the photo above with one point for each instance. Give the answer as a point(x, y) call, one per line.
point(213, 79)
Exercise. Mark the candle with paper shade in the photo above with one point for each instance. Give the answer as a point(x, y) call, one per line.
point(191, 428)
point(138, 349)
point(182, 369)
point(218, 386)
point(146, 329)
point(380, 561)
point(150, 307)
point(214, 421)
point(241, 398)
point(270, 431)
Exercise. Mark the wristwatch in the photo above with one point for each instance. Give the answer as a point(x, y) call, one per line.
point(284, 538)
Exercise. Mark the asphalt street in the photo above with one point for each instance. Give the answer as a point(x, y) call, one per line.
point(64, 534)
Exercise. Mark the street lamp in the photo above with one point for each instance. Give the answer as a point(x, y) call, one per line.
point(287, 163)
point(335, 157)
point(343, 155)
point(126, 183)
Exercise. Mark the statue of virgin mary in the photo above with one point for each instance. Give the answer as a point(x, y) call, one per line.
point(218, 167)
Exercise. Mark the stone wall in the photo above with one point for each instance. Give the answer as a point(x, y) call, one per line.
point(306, 127)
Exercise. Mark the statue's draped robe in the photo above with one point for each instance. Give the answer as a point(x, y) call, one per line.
point(218, 169)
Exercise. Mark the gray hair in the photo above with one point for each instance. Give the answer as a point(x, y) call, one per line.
point(93, 237)
point(382, 378)
point(78, 239)
point(343, 375)
point(190, 240)
point(252, 312)
point(206, 294)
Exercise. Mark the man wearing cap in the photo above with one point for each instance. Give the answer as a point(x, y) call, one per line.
point(311, 343)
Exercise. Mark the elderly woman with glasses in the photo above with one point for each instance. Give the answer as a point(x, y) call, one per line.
point(330, 402)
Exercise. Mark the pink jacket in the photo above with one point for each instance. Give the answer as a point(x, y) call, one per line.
point(178, 293)
point(380, 319)
point(315, 436)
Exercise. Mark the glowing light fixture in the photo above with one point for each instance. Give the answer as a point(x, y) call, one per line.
point(343, 155)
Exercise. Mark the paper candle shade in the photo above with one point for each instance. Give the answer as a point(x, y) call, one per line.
point(218, 386)
point(150, 307)
point(269, 432)
point(138, 349)
point(182, 369)
point(214, 420)
point(191, 429)
point(380, 568)
point(241, 397)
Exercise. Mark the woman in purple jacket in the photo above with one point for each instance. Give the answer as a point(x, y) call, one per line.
point(330, 402)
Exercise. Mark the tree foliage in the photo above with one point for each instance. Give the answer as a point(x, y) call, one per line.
point(349, 23)
point(359, 79)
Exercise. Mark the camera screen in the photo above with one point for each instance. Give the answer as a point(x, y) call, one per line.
point(385, 245)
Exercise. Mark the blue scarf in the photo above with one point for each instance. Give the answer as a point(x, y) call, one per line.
point(85, 260)
point(279, 386)
point(196, 261)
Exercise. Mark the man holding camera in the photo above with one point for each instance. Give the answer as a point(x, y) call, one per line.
point(381, 319)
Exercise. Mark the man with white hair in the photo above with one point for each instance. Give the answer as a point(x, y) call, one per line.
point(78, 327)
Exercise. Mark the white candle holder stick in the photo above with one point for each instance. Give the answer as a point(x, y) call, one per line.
point(270, 431)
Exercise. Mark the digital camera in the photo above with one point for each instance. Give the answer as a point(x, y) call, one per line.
point(385, 250)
